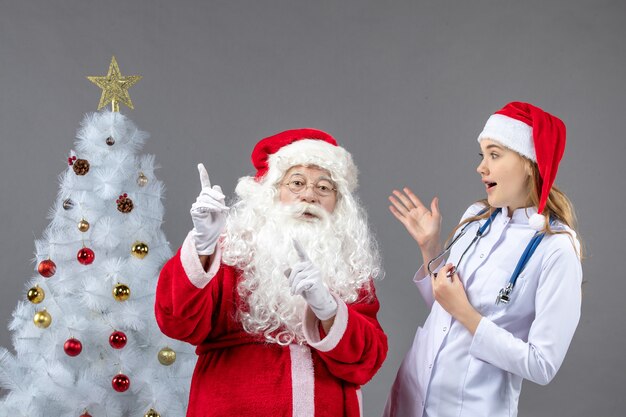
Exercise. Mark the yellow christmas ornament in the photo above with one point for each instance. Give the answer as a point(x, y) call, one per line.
point(142, 180)
point(121, 292)
point(42, 319)
point(166, 356)
point(83, 225)
point(36, 294)
point(139, 250)
point(152, 413)
point(114, 87)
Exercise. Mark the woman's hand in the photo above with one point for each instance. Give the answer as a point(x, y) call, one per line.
point(423, 225)
point(449, 292)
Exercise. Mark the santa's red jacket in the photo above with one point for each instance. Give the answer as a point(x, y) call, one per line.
point(239, 374)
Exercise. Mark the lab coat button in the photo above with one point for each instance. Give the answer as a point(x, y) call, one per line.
point(430, 366)
point(445, 329)
point(482, 255)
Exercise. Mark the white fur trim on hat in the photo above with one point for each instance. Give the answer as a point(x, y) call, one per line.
point(512, 133)
point(335, 159)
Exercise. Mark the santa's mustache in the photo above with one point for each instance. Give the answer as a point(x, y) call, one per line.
point(305, 211)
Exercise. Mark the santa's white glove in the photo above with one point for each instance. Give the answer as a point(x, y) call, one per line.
point(208, 214)
point(306, 279)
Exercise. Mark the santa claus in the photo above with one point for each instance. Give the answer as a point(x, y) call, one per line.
point(277, 291)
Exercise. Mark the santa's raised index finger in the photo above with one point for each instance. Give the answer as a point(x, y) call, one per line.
point(204, 176)
point(301, 253)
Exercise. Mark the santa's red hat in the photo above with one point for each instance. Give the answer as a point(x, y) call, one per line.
point(535, 134)
point(274, 155)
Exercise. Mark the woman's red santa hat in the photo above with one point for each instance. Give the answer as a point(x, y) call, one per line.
point(274, 155)
point(535, 134)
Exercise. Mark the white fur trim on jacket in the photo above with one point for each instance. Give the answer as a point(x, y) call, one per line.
point(334, 159)
point(302, 381)
point(192, 266)
point(512, 133)
point(311, 328)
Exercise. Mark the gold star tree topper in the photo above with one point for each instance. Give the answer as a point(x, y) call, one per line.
point(114, 87)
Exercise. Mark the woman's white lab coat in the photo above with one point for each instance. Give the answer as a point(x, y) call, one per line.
point(449, 372)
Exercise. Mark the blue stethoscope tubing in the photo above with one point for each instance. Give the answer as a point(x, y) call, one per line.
point(504, 295)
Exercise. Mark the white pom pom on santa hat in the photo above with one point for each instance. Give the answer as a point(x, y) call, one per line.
point(537, 222)
point(535, 134)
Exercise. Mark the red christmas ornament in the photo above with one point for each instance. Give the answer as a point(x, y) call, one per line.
point(46, 268)
point(85, 256)
point(73, 347)
point(85, 414)
point(117, 340)
point(120, 382)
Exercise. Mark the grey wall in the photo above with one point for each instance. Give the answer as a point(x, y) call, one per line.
point(404, 85)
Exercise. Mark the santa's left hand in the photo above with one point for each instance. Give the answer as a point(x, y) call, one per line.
point(306, 280)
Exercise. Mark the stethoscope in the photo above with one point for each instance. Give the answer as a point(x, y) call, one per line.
point(504, 295)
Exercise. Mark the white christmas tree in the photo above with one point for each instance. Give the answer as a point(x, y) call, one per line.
point(86, 340)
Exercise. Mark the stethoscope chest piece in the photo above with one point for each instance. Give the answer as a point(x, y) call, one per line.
point(504, 296)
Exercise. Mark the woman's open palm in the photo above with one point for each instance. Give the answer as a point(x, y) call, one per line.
point(423, 224)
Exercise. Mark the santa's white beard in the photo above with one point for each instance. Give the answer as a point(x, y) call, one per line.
point(259, 241)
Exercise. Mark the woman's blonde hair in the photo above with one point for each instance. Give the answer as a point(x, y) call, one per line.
point(558, 206)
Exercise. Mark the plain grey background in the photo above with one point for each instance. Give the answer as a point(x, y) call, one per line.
point(405, 86)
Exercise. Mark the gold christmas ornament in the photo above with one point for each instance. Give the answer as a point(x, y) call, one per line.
point(142, 180)
point(121, 292)
point(139, 250)
point(166, 356)
point(36, 295)
point(114, 87)
point(83, 225)
point(152, 413)
point(42, 319)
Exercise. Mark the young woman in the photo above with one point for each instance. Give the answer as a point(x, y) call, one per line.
point(506, 302)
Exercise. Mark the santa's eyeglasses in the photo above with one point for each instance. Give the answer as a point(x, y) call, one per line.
point(322, 187)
